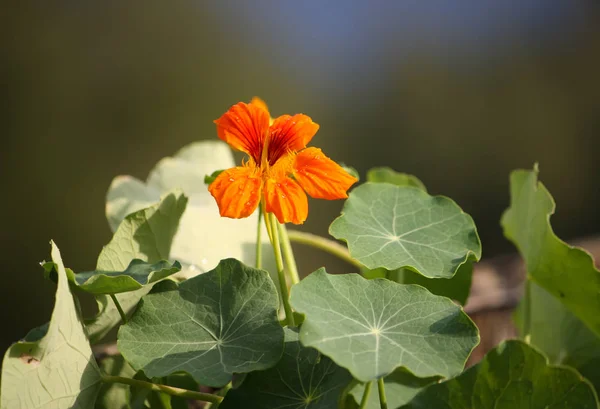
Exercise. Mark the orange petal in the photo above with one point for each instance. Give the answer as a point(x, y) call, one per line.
point(321, 177)
point(259, 103)
point(237, 191)
point(244, 128)
point(286, 199)
point(290, 133)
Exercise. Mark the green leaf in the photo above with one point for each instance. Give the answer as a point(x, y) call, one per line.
point(374, 326)
point(208, 179)
point(388, 175)
point(196, 250)
point(209, 326)
point(456, 288)
point(352, 171)
point(302, 379)
point(146, 235)
point(59, 370)
point(564, 271)
point(400, 387)
point(512, 376)
point(562, 337)
point(137, 274)
point(114, 395)
point(392, 227)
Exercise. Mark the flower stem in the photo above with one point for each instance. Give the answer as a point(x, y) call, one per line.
point(527, 311)
point(322, 243)
point(119, 308)
point(169, 390)
point(365, 397)
point(285, 295)
point(288, 254)
point(382, 398)
point(258, 264)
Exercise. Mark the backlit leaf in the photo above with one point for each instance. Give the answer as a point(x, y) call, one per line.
point(388, 175)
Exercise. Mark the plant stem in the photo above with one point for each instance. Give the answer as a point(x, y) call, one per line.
point(322, 243)
point(382, 398)
point(527, 311)
point(258, 264)
point(119, 308)
point(288, 254)
point(285, 295)
point(365, 397)
point(169, 390)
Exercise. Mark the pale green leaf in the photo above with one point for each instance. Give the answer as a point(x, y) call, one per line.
point(512, 376)
point(372, 327)
point(400, 387)
point(561, 336)
point(135, 276)
point(388, 175)
point(192, 246)
point(58, 371)
point(566, 272)
point(146, 235)
point(209, 326)
point(302, 379)
point(392, 227)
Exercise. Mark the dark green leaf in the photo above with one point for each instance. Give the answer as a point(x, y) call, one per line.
point(210, 326)
point(392, 227)
point(208, 179)
point(114, 395)
point(59, 370)
point(374, 326)
point(512, 376)
point(302, 379)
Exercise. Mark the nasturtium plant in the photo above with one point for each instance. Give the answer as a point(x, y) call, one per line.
point(205, 311)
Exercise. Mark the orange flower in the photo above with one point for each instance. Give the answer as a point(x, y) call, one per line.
point(280, 168)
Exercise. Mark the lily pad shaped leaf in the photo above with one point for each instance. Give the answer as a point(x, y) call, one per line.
point(388, 175)
point(372, 327)
point(197, 250)
point(137, 274)
point(400, 388)
point(210, 326)
point(398, 226)
point(566, 272)
point(58, 371)
point(302, 379)
point(146, 235)
point(514, 375)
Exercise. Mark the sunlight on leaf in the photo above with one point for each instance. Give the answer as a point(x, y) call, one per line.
point(302, 379)
point(374, 326)
point(209, 326)
point(387, 175)
point(512, 376)
point(566, 272)
point(59, 370)
point(392, 227)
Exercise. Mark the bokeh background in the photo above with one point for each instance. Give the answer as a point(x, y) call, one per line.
point(457, 92)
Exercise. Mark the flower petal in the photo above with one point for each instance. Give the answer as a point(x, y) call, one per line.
point(320, 176)
point(237, 191)
point(259, 103)
point(286, 199)
point(244, 128)
point(290, 133)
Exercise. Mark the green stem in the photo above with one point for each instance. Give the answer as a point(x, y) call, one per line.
point(365, 397)
point(258, 239)
point(288, 254)
point(321, 243)
point(169, 390)
point(382, 398)
point(285, 295)
point(119, 308)
point(527, 311)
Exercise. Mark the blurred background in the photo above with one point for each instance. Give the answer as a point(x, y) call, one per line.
point(458, 93)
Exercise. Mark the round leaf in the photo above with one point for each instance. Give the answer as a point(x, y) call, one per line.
point(396, 226)
point(210, 326)
point(374, 326)
point(301, 379)
point(387, 175)
point(512, 376)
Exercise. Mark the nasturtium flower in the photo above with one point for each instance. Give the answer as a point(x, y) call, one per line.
point(279, 169)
